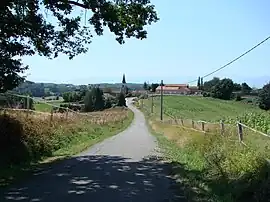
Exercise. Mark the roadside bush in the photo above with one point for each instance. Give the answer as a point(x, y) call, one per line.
point(264, 97)
point(206, 94)
point(143, 96)
point(24, 140)
point(238, 97)
point(21, 139)
point(239, 172)
point(74, 107)
point(121, 100)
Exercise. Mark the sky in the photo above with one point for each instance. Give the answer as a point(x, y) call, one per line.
point(191, 39)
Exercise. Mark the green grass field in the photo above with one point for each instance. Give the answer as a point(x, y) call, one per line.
point(200, 108)
point(213, 167)
point(43, 107)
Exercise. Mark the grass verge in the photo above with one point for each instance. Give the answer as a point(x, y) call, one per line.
point(212, 168)
point(41, 143)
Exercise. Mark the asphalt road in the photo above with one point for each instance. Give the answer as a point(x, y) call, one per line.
point(125, 167)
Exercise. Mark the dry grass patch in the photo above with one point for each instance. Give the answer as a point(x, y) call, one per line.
point(26, 139)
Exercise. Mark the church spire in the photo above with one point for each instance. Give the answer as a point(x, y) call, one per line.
point(124, 79)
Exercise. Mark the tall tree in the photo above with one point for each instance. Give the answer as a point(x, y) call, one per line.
point(26, 30)
point(88, 102)
point(145, 86)
point(246, 89)
point(121, 100)
point(223, 89)
point(264, 97)
point(199, 83)
point(154, 87)
point(208, 85)
point(237, 87)
point(124, 79)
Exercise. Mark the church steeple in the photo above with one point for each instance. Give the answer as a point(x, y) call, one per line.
point(124, 79)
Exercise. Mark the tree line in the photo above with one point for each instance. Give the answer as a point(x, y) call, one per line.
point(226, 89)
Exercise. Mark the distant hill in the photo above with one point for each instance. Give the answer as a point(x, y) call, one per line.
point(49, 89)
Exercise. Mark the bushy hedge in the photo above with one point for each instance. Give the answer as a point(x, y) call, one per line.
point(22, 140)
point(242, 173)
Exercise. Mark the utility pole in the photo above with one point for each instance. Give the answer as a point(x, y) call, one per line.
point(161, 101)
point(152, 104)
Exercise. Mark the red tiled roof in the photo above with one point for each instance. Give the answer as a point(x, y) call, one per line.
point(179, 89)
point(176, 85)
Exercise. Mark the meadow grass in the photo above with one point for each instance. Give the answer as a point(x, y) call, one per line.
point(201, 108)
point(38, 140)
point(211, 167)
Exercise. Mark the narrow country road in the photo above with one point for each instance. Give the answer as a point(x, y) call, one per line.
point(124, 167)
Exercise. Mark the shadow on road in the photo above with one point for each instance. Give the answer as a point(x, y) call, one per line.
point(98, 178)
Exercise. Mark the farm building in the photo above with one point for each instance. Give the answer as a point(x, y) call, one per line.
point(181, 89)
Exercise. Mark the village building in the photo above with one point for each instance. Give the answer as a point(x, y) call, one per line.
point(181, 89)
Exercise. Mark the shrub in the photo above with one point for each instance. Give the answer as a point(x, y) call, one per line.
point(121, 100)
point(94, 100)
point(143, 96)
point(242, 171)
point(238, 97)
point(264, 97)
point(22, 139)
point(206, 94)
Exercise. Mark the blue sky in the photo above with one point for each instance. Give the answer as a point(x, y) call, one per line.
point(191, 39)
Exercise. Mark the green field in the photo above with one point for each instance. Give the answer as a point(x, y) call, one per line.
point(212, 110)
point(43, 107)
point(214, 167)
point(200, 108)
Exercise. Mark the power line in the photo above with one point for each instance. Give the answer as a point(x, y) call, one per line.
point(234, 59)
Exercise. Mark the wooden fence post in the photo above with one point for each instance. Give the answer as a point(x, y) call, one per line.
point(222, 128)
point(240, 131)
point(202, 125)
point(67, 113)
point(192, 123)
point(51, 117)
point(27, 105)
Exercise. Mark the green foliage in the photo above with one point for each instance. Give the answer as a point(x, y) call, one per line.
point(237, 87)
point(26, 30)
point(223, 89)
point(75, 96)
point(121, 100)
point(94, 100)
point(145, 86)
point(201, 108)
point(24, 141)
point(206, 94)
point(214, 168)
point(238, 97)
point(143, 96)
point(49, 89)
point(264, 97)
point(258, 120)
point(154, 87)
point(243, 171)
point(98, 99)
point(208, 85)
point(199, 83)
point(88, 102)
point(245, 88)
point(10, 101)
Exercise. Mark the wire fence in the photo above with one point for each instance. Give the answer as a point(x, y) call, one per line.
point(238, 131)
point(15, 104)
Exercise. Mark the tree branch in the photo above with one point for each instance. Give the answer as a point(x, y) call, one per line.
point(79, 4)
